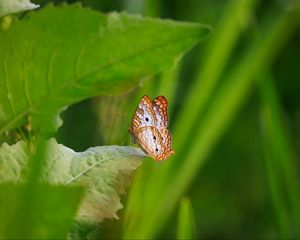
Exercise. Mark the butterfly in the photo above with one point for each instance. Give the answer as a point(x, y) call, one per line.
point(149, 128)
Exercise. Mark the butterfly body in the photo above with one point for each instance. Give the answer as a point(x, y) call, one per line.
point(149, 128)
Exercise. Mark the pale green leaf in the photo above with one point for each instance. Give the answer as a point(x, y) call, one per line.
point(14, 6)
point(104, 171)
point(13, 161)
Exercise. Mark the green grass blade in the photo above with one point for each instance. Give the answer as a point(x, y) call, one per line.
point(216, 56)
point(167, 87)
point(48, 215)
point(280, 163)
point(186, 228)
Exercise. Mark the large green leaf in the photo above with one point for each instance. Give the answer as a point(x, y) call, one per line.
point(104, 172)
point(61, 55)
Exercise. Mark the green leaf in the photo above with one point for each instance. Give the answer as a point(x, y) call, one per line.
point(104, 172)
point(81, 53)
point(14, 6)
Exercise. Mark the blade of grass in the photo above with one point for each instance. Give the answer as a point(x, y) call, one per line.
point(186, 228)
point(168, 85)
point(23, 227)
point(280, 164)
point(136, 197)
point(218, 52)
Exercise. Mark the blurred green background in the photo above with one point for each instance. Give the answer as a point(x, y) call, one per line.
point(234, 114)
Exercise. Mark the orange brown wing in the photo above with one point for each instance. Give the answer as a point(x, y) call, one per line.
point(157, 143)
point(160, 107)
point(144, 115)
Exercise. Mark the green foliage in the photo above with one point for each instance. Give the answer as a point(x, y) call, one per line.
point(81, 53)
point(208, 110)
point(48, 214)
point(236, 163)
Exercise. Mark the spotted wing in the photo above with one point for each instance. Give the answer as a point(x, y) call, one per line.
point(155, 143)
point(166, 139)
point(160, 105)
point(144, 115)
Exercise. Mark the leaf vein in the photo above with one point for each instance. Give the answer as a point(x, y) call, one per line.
point(50, 66)
point(7, 88)
point(26, 90)
point(77, 72)
point(84, 171)
point(26, 80)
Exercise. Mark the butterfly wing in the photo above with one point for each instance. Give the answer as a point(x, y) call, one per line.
point(160, 105)
point(147, 138)
point(149, 127)
point(154, 142)
point(166, 141)
point(144, 115)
